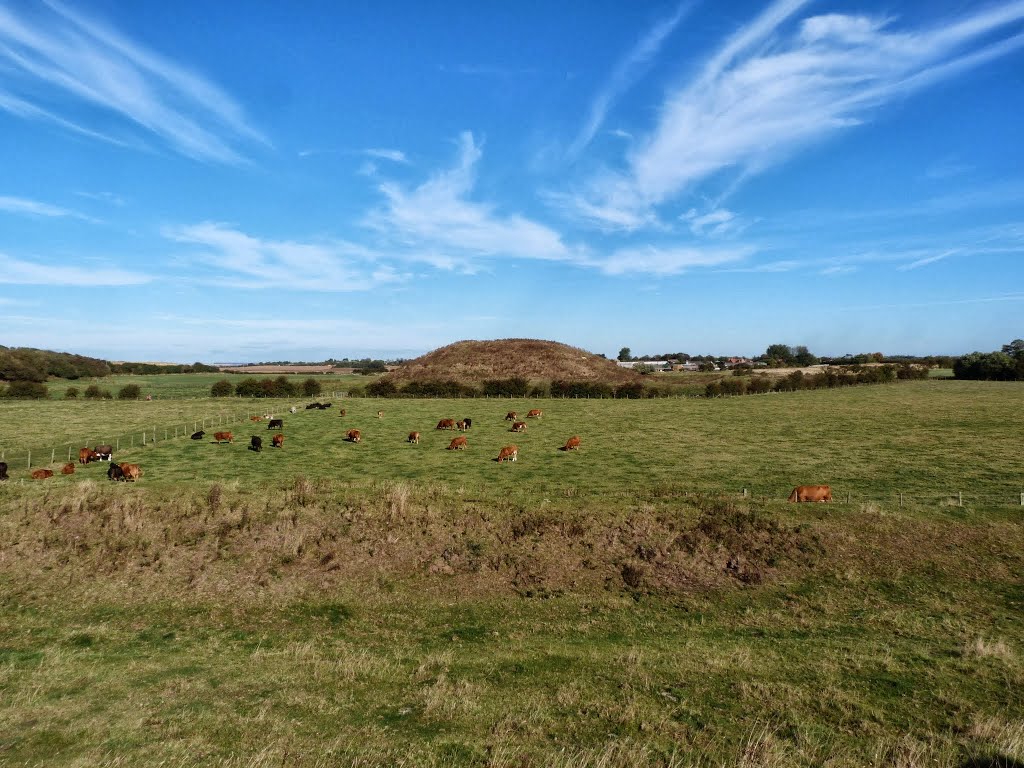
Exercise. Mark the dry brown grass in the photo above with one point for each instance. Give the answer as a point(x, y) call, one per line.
point(531, 359)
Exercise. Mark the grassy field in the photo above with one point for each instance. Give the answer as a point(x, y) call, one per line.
point(392, 604)
point(928, 440)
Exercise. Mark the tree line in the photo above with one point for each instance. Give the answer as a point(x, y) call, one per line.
point(1004, 365)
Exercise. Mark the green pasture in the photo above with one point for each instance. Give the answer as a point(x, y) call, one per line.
point(383, 604)
point(930, 440)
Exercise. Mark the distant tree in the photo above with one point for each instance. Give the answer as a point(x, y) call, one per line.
point(221, 388)
point(802, 356)
point(706, 367)
point(1015, 348)
point(129, 392)
point(779, 355)
point(311, 387)
point(624, 354)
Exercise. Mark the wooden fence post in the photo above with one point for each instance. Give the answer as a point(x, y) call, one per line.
point(901, 498)
point(53, 455)
point(960, 494)
point(29, 460)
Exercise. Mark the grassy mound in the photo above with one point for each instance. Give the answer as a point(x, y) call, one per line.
point(531, 359)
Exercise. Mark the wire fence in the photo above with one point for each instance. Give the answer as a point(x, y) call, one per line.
point(43, 455)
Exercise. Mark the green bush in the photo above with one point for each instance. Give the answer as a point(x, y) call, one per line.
point(27, 390)
point(311, 387)
point(129, 392)
point(382, 388)
point(221, 388)
point(713, 389)
point(514, 387)
point(93, 392)
point(758, 385)
point(633, 390)
point(71, 393)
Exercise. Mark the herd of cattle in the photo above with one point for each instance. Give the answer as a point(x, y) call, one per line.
point(131, 472)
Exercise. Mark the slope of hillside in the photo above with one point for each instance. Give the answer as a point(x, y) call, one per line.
point(531, 359)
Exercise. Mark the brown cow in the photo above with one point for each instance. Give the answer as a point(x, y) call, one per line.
point(84, 455)
point(511, 416)
point(518, 426)
point(354, 435)
point(414, 437)
point(445, 424)
point(277, 441)
point(41, 474)
point(459, 443)
point(572, 444)
point(68, 469)
point(220, 436)
point(461, 426)
point(132, 472)
point(380, 414)
point(509, 452)
point(342, 412)
point(255, 418)
point(811, 493)
point(536, 413)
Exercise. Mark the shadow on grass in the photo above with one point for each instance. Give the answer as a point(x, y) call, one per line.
point(997, 761)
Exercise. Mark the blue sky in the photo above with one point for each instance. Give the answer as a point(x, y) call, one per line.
point(252, 181)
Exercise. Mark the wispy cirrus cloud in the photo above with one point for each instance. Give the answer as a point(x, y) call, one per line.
point(625, 74)
point(245, 261)
point(394, 155)
point(24, 206)
point(778, 86)
point(438, 222)
point(670, 260)
point(59, 61)
point(14, 271)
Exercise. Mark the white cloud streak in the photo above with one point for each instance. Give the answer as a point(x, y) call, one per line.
point(27, 207)
point(254, 263)
point(774, 88)
point(54, 53)
point(624, 75)
point(20, 272)
point(436, 222)
point(394, 155)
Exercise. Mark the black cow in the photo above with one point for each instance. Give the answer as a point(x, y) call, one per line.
point(105, 452)
point(468, 423)
point(275, 424)
point(256, 444)
point(324, 405)
point(3, 470)
point(198, 435)
point(312, 405)
point(115, 472)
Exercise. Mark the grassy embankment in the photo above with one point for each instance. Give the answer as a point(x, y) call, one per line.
point(384, 603)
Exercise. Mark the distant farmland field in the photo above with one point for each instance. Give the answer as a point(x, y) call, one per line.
point(928, 440)
point(383, 603)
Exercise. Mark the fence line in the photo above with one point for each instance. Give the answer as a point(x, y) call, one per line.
point(22, 458)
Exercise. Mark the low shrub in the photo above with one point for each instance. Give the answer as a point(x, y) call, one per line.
point(129, 392)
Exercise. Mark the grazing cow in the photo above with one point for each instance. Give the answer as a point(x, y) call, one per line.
point(518, 426)
point(115, 472)
point(277, 441)
point(41, 474)
point(93, 456)
point(84, 455)
point(131, 472)
point(256, 444)
point(445, 424)
point(354, 435)
point(105, 452)
point(293, 409)
point(275, 424)
point(324, 406)
point(380, 414)
point(811, 493)
point(312, 405)
point(511, 416)
point(459, 443)
point(536, 413)
point(572, 444)
point(3, 470)
point(509, 452)
point(414, 437)
point(198, 435)
point(468, 423)
point(68, 469)
point(222, 436)
point(461, 426)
